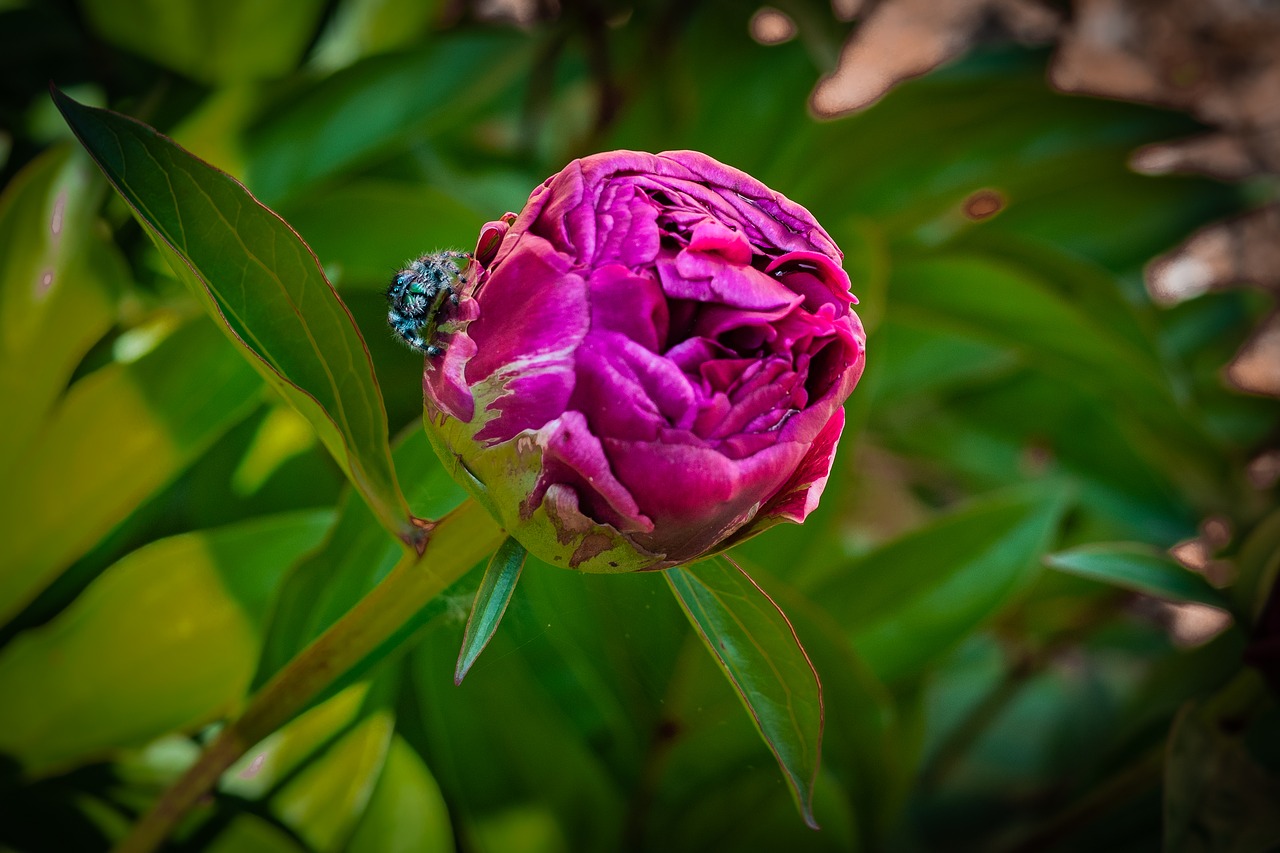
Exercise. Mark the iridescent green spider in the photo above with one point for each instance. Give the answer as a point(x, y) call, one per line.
point(420, 295)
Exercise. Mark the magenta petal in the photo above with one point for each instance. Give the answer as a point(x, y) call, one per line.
point(629, 304)
point(739, 286)
point(533, 304)
point(696, 496)
point(491, 238)
point(713, 237)
point(524, 398)
point(444, 384)
point(629, 391)
point(573, 456)
point(833, 279)
point(799, 496)
point(690, 354)
point(627, 228)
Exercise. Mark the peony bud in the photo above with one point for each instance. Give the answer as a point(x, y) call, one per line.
point(647, 364)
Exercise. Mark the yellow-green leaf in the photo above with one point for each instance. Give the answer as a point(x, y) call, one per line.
point(165, 639)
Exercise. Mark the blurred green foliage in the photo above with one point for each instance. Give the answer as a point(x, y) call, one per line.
point(982, 591)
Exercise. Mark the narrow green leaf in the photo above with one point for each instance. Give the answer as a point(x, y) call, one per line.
point(1259, 565)
point(265, 288)
point(360, 109)
point(1137, 567)
point(910, 601)
point(759, 651)
point(135, 426)
point(165, 639)
point(998, 302)
point(229, 42)
point(490, 603)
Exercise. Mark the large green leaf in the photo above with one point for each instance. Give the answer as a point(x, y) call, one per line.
point(56, 289)
point(997, 432)
point(165, 639)
point(277, 758)
point(863, 744)
point(407, 813)
point(117, 436)
point(363, 27)
point(498, 745)
point(910, 601)
point(263, 285)
point(602, 648)
point(230, 42)
point(324, 802)
point(1136, 567)
point(399, 221)
point(761, 655)
point(349, 116)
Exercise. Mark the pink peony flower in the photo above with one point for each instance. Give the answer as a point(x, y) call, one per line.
point(647, 364)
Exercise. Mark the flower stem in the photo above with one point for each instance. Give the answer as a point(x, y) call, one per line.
point(456, 543)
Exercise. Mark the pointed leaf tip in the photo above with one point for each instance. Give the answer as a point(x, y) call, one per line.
point(490, 603)
point(759, 651)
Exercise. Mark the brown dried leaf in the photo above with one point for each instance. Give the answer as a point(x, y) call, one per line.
point(906, 38)
point(1235, 251)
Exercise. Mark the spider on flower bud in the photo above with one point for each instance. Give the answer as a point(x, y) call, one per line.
point(421, 293)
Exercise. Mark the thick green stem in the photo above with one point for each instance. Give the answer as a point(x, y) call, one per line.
point(460, 540)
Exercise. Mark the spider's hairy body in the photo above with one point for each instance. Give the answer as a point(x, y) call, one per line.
point(420, 295)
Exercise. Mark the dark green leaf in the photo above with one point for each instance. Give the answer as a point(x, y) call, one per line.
point(363, 27)
point(1136, 567)
point(365, 107)
point(491, 600)
point(1217, 796)
point(910, 601)
point(1259, 567)
point(263, 285)
point(399, 221)
point(759, 652)
point(998, 302)
point(602, 648)
point(500, 748)
point(230, 42)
